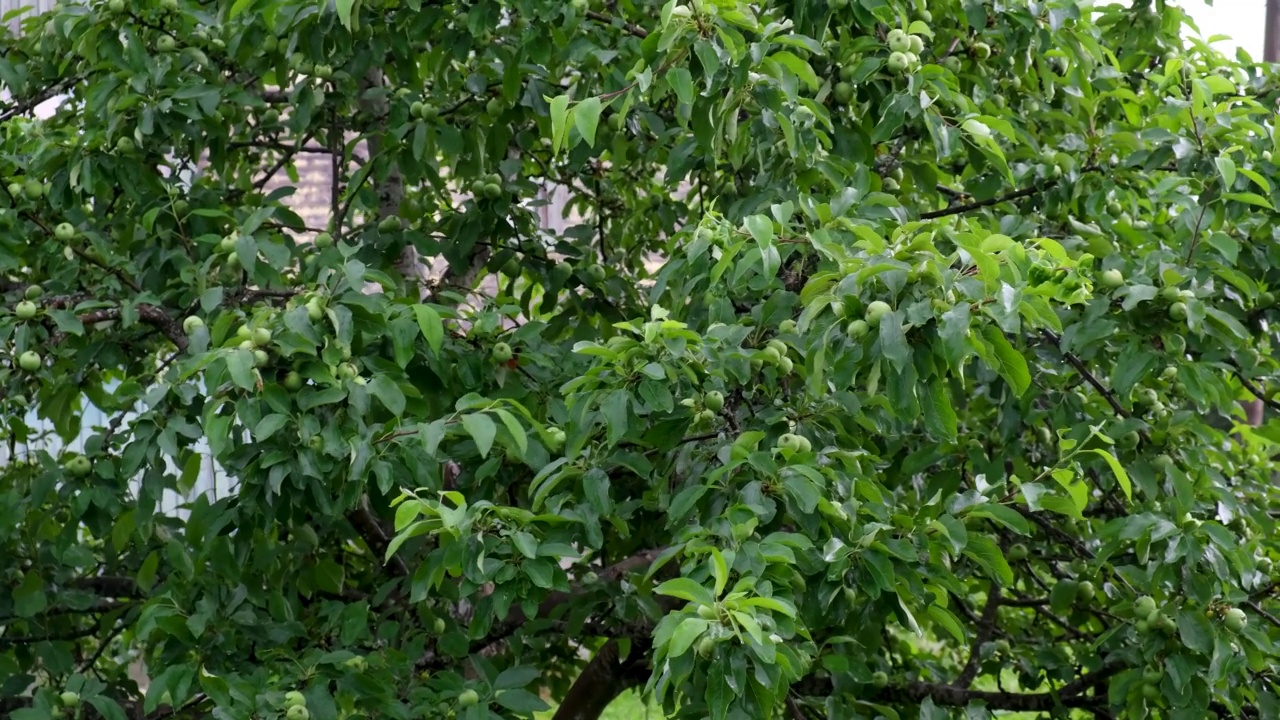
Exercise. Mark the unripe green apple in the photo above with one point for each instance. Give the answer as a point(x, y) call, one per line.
point(25, 310)
point(555, 438)
point(898, 62)
point(707, 612)
point(356, 663)
point(898, 41)
point(1111, 279)
point(879, 679)
point(324, 240)
point(843, 92)
point(191, 324)
point(1017, 552)
point(261, 336)
point(261, 358)
point(116, 6)
point(502, 352)
point(714, 401)
point(33, 189)
point(494, 107)
point(166, 43)
point(468, 698)
point(292, 380)
point(1145, 606)
point(916, 44)
point(877, 310)
point(785, 365)
point(1178, 311)
point(65, 232)
point(1086, 591)
point(347, 371)
point(1235, 620)
point(981, 50)
point(297, 712)
point(293, 698)
point(315, 310)
point(706, 646)
point(69, 699)
point(30, 361)
point(787, 326)
point(858, 329)
point(79, 466)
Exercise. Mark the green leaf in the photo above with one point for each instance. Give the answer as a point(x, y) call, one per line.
point(986, 553)
point(798, 67)
point(720, 571)
point(268, 426)
point(1005, 359)
point(431, 325)
point(1122, 477)
point(1227, 169)
point(1195, 630)
point(939, 417)
point(29, 597)
point(388, 393)
point(586, 116)
point(559, 107)
point(761, 228)
point(481, 429)
point(521, 701)
point(686, 589)
point(1001, 514)
point(686, 633)
point(240, 364)
point(515, 428)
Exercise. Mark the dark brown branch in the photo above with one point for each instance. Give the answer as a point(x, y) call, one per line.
point(506, 628)
point(959, 209)
point(632, 28)
point(1079, 366)
point(604, 678)
point(1073, 695)
point(986, 625)
point(1253, 388)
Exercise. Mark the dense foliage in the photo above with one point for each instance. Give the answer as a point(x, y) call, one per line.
point(890, 365)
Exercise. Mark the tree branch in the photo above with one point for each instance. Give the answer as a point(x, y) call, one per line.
point(602, 680)
point(1088, 376)
point(986, 625)
point(506, 628)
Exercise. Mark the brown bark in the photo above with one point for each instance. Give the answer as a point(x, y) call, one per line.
point(606, 677)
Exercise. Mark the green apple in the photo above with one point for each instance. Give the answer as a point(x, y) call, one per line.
point(33, 292)
point(787, 326)
point(293, 698)
point(439, 626)
point(468, 698)
point(917, 44)
point(297, 712)
point(65, 232)
point(877, 310)
point(33, 189)
point(788, 442)
point(292, 380)
point(858, 329)
point(707, 612)
point(1086, 591)
point(898, 62)
point(69, 699)
point(191, 324)
point(493, 107)
point(125, 145)
point(25, 310)
point(356, 663)
point(785, 365)
point(166, 43)
point(981, 50)
point(315, 310)
point(1111, 279)
point(347, 371)
point(261, 336)
point(596, 272)
point(30, 361)
point(706, 646)
point(843, 92)
point(1017, 552)
point(1145, 606)
point(261, 358)
point(390, 224)
point(324, 240)
point(1235, 620)
point(879, 679)
point(492, 191)
point(555, 438)
point(79, 466)
point(1178, 311)
point(116, 6)
point(714, 401)
point(898, 41)
point(502, 352)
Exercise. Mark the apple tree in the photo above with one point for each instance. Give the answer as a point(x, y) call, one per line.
point(887, 363)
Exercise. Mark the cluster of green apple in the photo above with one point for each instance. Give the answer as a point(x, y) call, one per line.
point(709, 404)
point(295, 704)
point(488, 187)
point(68, 701)
point(423, 111)
point(904, 51)
point(774, 353)
point(25, 310)
point(29, 188)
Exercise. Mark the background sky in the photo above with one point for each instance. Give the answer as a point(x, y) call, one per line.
point(1241, 19)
